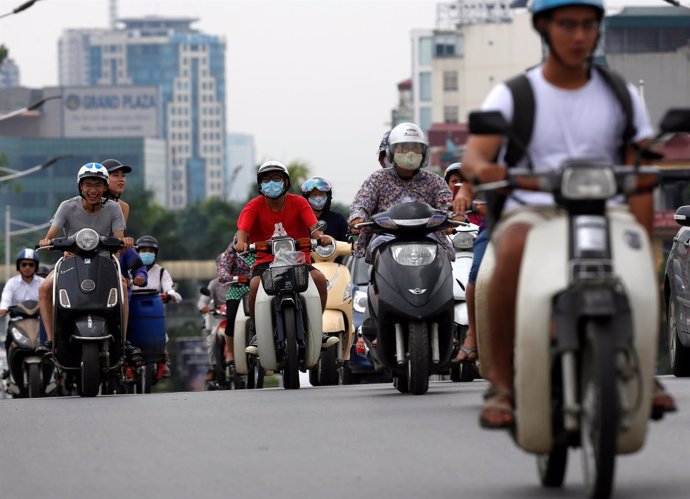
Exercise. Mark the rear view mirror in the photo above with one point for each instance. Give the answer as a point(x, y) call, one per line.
point(682, 216)
point(488, 123)
point(675, 121)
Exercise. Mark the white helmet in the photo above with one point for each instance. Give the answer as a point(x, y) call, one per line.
point(95, 170)
point(407, 133)
point(273, 166)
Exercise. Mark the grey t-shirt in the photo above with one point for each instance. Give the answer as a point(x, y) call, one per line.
point(71, 217)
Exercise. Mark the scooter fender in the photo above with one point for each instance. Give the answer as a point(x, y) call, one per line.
point(263, 321)
point(240, 341)
point(461, 273)
point(631, 249)
point(460, 313)
point(542, 276)
point(634, 262)
point(312, 306)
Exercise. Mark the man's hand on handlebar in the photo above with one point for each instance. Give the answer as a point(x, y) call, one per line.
point(45, 242)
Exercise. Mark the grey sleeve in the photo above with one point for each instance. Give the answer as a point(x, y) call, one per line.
point(59, 218)
point(118, 219)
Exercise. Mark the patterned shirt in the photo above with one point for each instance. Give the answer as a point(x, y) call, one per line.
point(384, 188)
point(231, 264)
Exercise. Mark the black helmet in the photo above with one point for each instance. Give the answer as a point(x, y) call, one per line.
point(147, 242)
point(112, 164)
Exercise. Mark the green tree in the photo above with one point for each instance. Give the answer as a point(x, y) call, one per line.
point(3, 54)
point(299, 172)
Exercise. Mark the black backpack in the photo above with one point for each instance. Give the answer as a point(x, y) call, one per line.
point(524, 105)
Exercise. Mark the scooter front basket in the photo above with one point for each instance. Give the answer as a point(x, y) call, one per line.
point(276, 280)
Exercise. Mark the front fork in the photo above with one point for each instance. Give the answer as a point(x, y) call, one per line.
point(400, 351)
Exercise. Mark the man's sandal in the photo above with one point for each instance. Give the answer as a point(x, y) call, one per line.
point(662, 401)
point(498, 401)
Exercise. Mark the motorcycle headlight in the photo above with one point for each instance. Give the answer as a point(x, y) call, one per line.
point(413, 255)
point(588, 181)
point(21, 339)
point(87, 239)
point(359, 303)
point(463, 241)
point(283, 244)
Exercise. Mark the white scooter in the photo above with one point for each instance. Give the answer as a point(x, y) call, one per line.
point(246, 365)
point(462, 240)
point(587, 310)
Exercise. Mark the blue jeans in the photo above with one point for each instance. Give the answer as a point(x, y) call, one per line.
point(478, 250)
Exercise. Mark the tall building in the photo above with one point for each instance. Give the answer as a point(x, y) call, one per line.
point(241, 168)
point(189, 68)
point(9, 74)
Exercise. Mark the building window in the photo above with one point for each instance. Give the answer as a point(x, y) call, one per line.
point(425, 119)
point(448, 46)
point(450, 81)
point(451, 114)
point(425, 86)
point(425, 51)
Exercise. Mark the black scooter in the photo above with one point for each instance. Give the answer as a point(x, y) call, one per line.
point(88, 344)
point(30, 376)
point(410, 295)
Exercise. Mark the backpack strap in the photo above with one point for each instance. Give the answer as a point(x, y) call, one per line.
point(523, 117)
point(160, 277)
point(620, 89)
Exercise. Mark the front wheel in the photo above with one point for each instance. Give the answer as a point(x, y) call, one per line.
point(599, 415)
point(33, 379)
point(90, 369)
point(291, 369)
point(679, 356)
point(552, 466)
point(418, 363)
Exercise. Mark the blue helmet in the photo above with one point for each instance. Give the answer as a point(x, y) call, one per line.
point(27, 254)
point(540, 6)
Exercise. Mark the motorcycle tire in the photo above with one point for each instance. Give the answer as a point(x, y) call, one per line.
point(90, 382)
point(350, 378)
point(678, 355)
point(148, 376)
point(314, 376)
point(552, 466)
point(33, 380)
point(599, 415)
point(418, 363)
point(327, 367)
point(291, 370)
point(400, 382)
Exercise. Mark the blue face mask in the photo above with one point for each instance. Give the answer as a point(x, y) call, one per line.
point(318, 202)
point(272, 189)
point(147, 258)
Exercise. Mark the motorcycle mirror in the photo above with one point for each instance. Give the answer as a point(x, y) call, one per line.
point(204, 291)
point(488, 123)
point(321, 225)
point(676, 121)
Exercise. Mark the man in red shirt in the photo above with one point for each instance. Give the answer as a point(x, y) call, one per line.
point(259, 217)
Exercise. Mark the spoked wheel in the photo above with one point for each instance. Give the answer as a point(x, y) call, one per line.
point(679, 356)
point(290, 372)
point(599, 416)
point(33, 379)
point(552, 466)
point(418, 364)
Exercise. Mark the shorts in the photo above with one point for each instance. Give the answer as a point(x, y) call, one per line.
point(478, 250)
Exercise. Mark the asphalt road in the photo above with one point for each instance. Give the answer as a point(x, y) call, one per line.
point(364, 441)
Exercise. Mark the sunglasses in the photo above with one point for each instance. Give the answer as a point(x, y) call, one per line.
point(27, 264)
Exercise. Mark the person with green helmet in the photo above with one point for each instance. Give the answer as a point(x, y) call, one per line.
point(578, 110)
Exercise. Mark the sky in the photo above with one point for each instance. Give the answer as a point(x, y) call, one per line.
point(312, 80)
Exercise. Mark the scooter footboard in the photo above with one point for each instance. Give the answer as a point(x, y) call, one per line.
point(542, 276)
point(314, 330)
point(263, 320)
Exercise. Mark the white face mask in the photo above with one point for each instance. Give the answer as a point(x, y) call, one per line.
point(408, 160)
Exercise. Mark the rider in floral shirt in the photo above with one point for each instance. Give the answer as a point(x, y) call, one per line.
point(405, 181)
